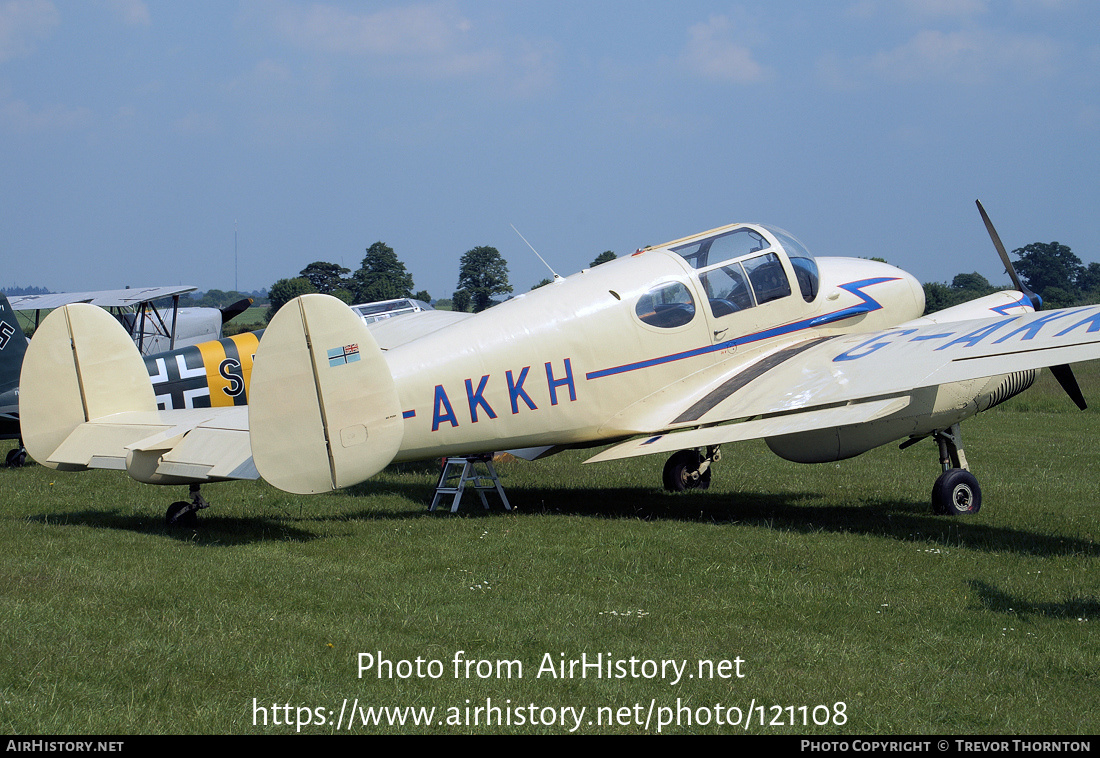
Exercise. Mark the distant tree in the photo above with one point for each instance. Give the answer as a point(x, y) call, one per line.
point(972, 283)
point(216, 299)
point(604, 257)
point(1088, 282)
point(963, 287)
point(937, 296)
point(381, 277)
point(483, 273)
point(544, 282)
point(460, 301)
point(285, 290)
point(443, 304)
point(326, 277)
point(423, 295)
point(1043, 266)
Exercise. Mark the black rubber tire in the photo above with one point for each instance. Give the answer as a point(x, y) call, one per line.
point(180, 513)
point(956, 493)
point(678, 469)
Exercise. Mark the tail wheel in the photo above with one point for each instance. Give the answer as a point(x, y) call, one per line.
point(682, 472)
point(955, 493)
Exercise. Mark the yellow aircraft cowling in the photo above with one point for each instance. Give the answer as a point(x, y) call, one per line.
point(323, 411)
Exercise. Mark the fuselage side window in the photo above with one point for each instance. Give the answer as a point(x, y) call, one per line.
point(769, 281)
point(666, 306)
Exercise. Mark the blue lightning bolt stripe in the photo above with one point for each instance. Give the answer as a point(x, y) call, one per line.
point(867, 305)
point(1002, 310)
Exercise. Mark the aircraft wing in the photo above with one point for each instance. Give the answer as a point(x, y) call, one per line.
point(850, 379)
point(102, 298)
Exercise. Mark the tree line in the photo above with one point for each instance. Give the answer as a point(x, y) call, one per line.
point(1049, 269)
point(482, 276)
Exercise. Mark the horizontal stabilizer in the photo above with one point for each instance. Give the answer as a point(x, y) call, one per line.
point(323, 411)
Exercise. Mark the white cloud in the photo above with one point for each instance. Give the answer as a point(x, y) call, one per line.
point(130, 12)
point(970, 57)
point(20, 117)
point(22, 23)
point(712, 53)
point(426, 40)
point(427, 37)
point(946, 8)
point(919, 9)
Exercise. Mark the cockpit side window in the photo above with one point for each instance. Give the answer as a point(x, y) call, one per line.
point(805, 271)
point(769, 281)
point(666, 306)
point(723, 247)
point(727, 289)
point(805, 267)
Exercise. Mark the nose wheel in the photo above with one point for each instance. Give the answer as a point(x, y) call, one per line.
point(956, 491)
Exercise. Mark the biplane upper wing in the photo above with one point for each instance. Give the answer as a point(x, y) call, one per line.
point(852, 379)
point(103, 298)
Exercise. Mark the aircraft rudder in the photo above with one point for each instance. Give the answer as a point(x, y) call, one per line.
point(323, 408)
point(81, 365)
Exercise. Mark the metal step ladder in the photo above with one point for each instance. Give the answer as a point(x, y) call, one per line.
point(460, 473)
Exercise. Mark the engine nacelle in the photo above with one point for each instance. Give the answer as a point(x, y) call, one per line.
point(930, 409)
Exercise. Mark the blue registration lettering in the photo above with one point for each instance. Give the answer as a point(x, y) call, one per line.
point(477, 398)
point(870, 346)
point(516, 391)
point(566, 381)
point(1032, 328)
point(1093, 321)
point(976, 336)
point(442, 404)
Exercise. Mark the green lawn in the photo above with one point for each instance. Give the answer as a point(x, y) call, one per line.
point(844, 598)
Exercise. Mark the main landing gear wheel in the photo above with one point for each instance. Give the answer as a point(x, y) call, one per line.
point(16, 457)
point(955, 493)
point(682, 472)
point(183, 513)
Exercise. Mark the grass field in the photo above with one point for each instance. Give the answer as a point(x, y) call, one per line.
point(843, 597)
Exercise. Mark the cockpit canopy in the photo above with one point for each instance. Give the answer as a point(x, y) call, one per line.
point(727, 260)
point(738, 268)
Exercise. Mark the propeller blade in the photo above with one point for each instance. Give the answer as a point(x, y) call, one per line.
point(1036, 301)
point(1065, 377)
point(236, 309)
point(1063, 373)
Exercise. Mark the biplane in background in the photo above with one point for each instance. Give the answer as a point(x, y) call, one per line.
point(153, 328)
point(733, 334)
point(212, 372)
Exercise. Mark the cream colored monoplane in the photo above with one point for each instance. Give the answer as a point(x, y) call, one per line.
point(737, 333)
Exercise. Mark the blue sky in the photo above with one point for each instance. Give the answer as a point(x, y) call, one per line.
point(136, 136)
